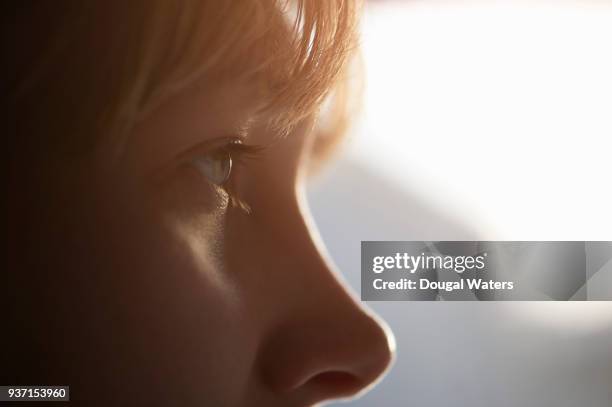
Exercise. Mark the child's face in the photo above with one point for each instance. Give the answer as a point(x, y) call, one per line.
point(191, 299)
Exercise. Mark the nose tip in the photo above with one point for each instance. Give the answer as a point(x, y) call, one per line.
point(321, 360)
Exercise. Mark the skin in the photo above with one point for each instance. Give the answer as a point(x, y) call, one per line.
point(164, 293)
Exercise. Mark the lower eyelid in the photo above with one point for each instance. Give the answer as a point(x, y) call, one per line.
point(231, 187)
point(227, 194)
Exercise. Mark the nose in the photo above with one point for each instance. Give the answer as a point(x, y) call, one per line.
point(326, 345)
point(327, 353)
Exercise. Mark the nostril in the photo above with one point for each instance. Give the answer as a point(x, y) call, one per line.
point(337, 383)
point(323, 358)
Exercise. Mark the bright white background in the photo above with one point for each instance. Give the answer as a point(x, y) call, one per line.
point(482, 120)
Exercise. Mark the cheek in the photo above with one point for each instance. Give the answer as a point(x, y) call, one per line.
point(192, 305)
point(172, 304)
point(192, 316)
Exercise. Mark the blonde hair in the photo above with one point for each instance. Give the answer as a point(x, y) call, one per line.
point(119, 60)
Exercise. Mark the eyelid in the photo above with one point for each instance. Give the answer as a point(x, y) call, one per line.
point(207, 147)
point(233, 144)
point(238, 152)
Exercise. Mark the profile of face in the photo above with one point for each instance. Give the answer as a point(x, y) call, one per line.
point(229, 298)
point(188, 272)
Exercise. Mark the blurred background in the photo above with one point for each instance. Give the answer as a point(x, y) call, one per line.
point(483, 120)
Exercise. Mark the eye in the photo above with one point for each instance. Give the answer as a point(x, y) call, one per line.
point(216, 163)
point(216, 166)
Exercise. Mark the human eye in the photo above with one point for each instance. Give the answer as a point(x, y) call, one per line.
point(218, 164)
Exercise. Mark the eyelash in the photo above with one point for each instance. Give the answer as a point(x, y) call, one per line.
point(239, 154)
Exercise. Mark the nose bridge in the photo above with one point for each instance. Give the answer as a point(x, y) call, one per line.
point(301, 256)
point(318, 286)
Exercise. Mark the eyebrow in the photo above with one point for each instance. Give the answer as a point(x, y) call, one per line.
point(200, 113)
